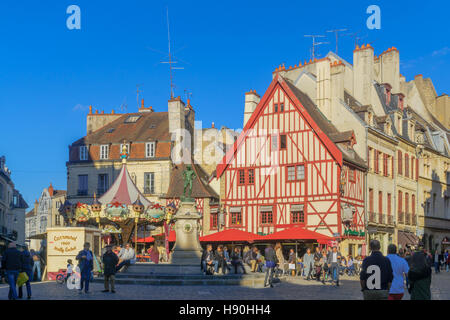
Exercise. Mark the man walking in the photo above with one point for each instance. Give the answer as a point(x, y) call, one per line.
point(271, 262)
point(86, 263)
point(27, 267)
point(400, 269)
point(12, 264)
point(127, 256)
point(334, 261)
point(110, 260)
point(376, 274)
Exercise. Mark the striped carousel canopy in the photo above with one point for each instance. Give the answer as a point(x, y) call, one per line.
point(123, 191)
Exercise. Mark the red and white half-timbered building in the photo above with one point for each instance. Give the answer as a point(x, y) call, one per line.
point(291, 167)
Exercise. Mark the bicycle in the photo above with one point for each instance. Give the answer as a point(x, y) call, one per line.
point(61, 276)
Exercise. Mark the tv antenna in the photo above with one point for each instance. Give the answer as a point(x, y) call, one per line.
point(314, 44)
point(188, 94)
point(137, 93)
point(123, 107)
point(336, 33)
point(355, 36)
point(171, 61)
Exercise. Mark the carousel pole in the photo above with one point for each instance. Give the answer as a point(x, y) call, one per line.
point(135, 234)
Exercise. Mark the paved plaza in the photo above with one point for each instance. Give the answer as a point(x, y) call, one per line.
point(292, 289)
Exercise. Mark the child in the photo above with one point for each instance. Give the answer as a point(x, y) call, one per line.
point(69, 269)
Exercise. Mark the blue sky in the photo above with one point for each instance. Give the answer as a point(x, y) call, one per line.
point(49, 75)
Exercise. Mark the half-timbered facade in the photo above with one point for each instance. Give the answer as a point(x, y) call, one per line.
point(291, 167)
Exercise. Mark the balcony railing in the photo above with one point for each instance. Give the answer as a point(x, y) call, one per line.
point(408, 218)
point(383, 219)
point(380, 218)
point(390, 219)
point(401, 217)
point(413, 220)
point(371, 216)
point(82, 192)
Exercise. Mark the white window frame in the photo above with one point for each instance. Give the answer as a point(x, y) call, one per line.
point(150, 149)
point(104, 152)
point(83, 153)
point(151, 184)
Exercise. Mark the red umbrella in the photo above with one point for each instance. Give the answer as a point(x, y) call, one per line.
point(297, 233)
point(230, 235)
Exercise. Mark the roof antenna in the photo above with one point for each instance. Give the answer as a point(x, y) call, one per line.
point(137, 93)
point(123, 107)
point(188, 94)
point(313, 52)
point(336, 32)
point(170, 62)
point(355, 36)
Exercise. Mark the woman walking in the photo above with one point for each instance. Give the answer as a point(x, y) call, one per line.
point(271, 262)
point(419, 276)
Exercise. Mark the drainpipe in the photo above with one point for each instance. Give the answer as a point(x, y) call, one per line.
point(366, 213)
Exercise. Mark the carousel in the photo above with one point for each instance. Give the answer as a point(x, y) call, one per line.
point(121, 211)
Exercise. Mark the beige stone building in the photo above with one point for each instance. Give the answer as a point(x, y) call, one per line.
point(12, 209)
point(373, 98)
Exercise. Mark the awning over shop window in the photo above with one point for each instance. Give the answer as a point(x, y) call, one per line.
point(266, 209)
point(407, 239)
point(297, 207)
point(235, 209)
point(214, 210)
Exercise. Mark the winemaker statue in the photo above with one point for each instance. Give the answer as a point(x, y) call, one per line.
point(188, 177)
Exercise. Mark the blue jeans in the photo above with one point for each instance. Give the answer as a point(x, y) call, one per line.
point(29, 274)
point(351, 270)
point(85, 278)
point(335, 271)
point(123, 263)
point(215, 264)
point(36, 266)
point(436, 267)
point(12, 275)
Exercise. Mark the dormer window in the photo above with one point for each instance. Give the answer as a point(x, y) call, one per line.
point(83, 153)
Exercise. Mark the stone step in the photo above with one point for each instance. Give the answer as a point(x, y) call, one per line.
point(187, 276)
point(206, 280)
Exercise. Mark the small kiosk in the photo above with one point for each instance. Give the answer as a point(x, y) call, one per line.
point(65, 243)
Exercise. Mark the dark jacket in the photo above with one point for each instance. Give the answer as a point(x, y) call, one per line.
point(110, 261)
point(85, 265)
point(12, 260)
point(377, 258)
point(235, 256)
point(419, 284)
point(27, 261)
point(208, 255)
point(270, 255)
point(220, 257)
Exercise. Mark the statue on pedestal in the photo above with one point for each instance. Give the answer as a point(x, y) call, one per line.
point(188, 177)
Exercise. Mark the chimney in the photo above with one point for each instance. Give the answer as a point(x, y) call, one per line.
point(390, 68)
point(95, 121)
point(363, 73)
point(337, 80)
point(251, 101)
point(323, 88)
point(50, 190)
point(177, 123)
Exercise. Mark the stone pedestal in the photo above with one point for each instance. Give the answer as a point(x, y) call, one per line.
point(187, 250)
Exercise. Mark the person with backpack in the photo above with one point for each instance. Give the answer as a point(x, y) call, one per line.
point(27, 267)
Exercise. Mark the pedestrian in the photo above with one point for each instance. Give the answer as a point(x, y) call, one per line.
point(280, 257)
point(447, 259)
point(251, 259)
point(110, 261)
point(334, 261)
point(419, 277)
point(36, 265)
point(317, 263)
point(324, 265)
point(436, 262)
point(27, 267)
point(400, 270)
point(236, 260)
point(308, 264)
point(350, 266)
point(271, 262)
point(376, 274)
point(154, 254)
point(127, 257)
point(12, 264)
point(86, 263)
point(292, 261)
